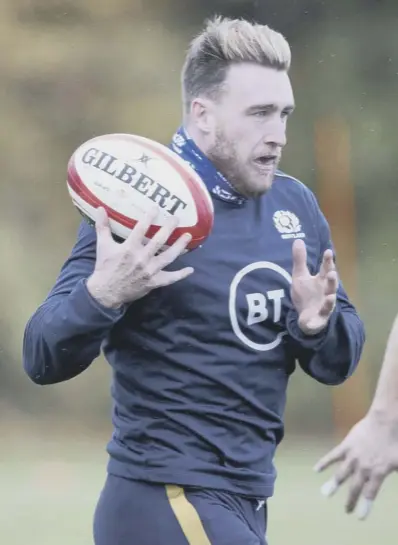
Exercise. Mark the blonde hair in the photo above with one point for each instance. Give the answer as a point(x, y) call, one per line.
point(224, 42)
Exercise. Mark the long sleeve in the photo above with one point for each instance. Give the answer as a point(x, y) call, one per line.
point(64, 335)
point(333, 355)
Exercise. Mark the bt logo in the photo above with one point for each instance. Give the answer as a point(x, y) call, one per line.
point(260, 306)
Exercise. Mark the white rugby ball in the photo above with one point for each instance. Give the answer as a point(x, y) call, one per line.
point(126, 174)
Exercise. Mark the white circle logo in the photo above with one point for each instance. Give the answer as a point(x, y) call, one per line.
point(232, 304)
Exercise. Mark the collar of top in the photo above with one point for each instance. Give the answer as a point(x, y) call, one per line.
point(216, 182)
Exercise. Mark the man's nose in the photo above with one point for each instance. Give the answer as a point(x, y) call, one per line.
point(276, 134)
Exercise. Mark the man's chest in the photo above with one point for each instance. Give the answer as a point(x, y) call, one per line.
point(240, 288)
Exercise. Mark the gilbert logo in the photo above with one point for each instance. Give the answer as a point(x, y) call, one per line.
point(287, 224)
point(129, 175)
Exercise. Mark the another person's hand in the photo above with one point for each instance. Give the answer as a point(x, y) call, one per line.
point(366, 456)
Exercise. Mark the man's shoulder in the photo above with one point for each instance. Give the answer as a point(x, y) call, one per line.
point(284, 181)
point(284, 177)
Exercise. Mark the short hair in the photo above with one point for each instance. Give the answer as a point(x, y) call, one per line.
point(222, 43)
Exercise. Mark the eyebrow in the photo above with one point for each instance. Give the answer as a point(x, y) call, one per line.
point(272, 107)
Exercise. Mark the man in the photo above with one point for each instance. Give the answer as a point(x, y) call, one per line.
point(370, 451)
point(202, 344)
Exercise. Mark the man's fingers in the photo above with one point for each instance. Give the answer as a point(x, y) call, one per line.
point(355, 489)
point(168, 256)
point(364, 508)
point(161, 278)
point(299, 258)
point(160, 238)
point(335, 455)
point(166, 278)
point(369, 494)
point(328, 306)
point(332, 283)
point(137, 235)
point(102, 225)
point(329, 488)
point(344, 471)
point(338, 454)
point(327, 264)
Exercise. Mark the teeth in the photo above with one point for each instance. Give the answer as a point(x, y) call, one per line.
point(265, 160)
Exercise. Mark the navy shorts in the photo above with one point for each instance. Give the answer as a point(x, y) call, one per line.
point(137, 513)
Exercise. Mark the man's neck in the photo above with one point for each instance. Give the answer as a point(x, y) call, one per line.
point(197, 136)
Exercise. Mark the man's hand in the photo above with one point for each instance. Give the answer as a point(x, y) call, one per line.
point(314, 297)
point(366, 456)
point(128, 271)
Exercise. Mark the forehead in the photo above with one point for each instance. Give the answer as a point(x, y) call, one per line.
point(250, 84)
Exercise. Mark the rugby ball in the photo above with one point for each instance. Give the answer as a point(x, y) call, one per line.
point(126, 174)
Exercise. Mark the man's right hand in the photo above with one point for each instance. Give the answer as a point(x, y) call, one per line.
point(127, 271)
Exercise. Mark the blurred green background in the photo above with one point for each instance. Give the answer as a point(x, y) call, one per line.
point(73, 69)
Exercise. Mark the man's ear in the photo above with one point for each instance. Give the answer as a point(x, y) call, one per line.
point(202, 114)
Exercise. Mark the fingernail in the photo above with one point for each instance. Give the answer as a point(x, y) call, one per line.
point(364, 508)
point(329, 488)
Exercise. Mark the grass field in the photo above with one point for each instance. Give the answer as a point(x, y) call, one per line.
point(48, 492)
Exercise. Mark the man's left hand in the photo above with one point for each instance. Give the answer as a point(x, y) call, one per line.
point(314, 297)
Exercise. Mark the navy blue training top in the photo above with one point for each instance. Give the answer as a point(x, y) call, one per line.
point(200, 368)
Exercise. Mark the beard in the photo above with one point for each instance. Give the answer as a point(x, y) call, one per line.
point(243, 177)
point(224, 157)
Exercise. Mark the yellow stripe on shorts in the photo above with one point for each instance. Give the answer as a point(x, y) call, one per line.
point(187, 516)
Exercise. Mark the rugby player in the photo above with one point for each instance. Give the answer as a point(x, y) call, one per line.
point(202, 344)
